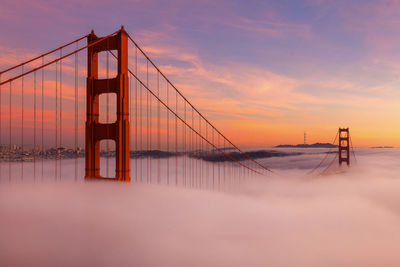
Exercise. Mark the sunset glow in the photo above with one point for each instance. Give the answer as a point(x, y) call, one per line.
point(235, 133)
point(274, 69)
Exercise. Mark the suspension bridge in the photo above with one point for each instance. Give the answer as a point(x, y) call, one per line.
point(137, 126)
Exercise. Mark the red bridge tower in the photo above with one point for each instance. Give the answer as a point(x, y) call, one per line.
point(119, 130)
point(344, 146)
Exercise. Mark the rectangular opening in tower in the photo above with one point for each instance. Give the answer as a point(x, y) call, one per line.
point(107, 64)
point(107, 158)
point(344, 134)
point(107, 108)
point(344, 143)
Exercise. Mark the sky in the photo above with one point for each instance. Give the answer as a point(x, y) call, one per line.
point(266, 69)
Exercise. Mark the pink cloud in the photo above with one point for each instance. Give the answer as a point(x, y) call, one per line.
point(273, 28)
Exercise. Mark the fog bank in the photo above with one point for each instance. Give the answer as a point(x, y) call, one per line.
point(343, 219)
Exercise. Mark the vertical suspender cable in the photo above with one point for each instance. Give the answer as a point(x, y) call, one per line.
point(42, 139)
point(147, 123)
point(224, 163)
point(197, 146)
point(192, 148)
point(60, 99)
point(60, 111)
point(76, 115)
point(205, 159)
point(9, 135)
point(22, 112)
point(56, 166)
point(147, 138)
point(190, 155)
point(107, 109)
point(168, 156)
point(1, 145)
point(184, 142)
point(176, 139)
point(22, 125)
point(219, 169)
point(213, 157)
point(201, 155)
point(34, 126)
point(136, 117)
point(183, 155)
point(141, 132)
point(158, 130)
point(150, 130)
point(130, 118)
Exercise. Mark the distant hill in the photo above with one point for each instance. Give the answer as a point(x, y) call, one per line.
point(316, 145)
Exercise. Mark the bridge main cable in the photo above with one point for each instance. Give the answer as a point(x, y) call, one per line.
point(57, 59)
point(183, 121)
point(198, 112)
point(43, 55)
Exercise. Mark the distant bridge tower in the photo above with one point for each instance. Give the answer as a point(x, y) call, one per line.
point(344, 146)
point(305, 138)
point(119, 130)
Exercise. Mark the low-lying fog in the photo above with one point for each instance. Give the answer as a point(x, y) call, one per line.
point(349, 218)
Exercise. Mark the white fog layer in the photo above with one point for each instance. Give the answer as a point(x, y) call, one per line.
point(349, 218)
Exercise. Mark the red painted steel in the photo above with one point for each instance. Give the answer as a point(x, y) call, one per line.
point(118, 131)
point(344, 146)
